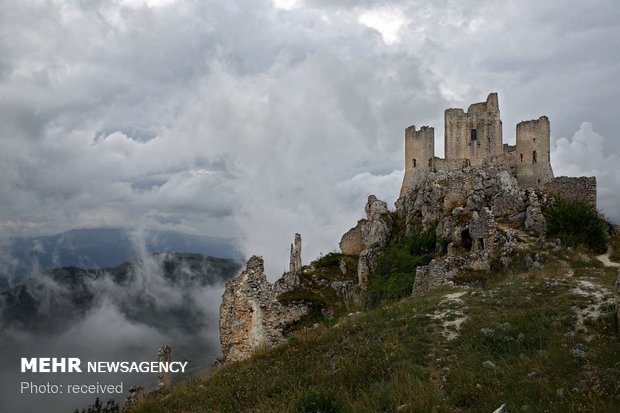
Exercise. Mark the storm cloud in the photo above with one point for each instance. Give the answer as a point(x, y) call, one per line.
point(255, 120)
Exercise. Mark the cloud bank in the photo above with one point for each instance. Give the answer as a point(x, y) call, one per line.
point(255, 120)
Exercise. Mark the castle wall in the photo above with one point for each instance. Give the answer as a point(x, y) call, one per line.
point(476, 134)
point(451, 164)
point(581, 188)
point(533, 153)
point(528, 160)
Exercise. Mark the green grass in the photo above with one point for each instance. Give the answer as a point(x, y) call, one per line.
point(614, 242)
point(395, 357)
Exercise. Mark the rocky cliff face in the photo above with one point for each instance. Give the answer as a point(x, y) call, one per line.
point(375, 233)
point(481, 215)
point(250, 314)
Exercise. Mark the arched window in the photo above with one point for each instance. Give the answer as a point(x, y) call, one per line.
point(521, 157)
point(414, 163)
point(534, 157)
point(474, 134)
point(430, 163)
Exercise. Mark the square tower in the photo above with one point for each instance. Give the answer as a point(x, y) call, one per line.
point(419, 155)
point(475, 135)
point(534, 152)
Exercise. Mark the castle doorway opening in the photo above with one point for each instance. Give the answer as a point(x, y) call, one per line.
point(466, 239)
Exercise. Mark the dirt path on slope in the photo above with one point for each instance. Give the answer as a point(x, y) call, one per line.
point(604, 258)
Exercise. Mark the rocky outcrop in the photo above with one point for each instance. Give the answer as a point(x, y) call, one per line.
point(534, 219)
point(480, 213)
point(375, 234)
point(250, 314)
point(345, 289)
point(352, 242)
point(443, 272)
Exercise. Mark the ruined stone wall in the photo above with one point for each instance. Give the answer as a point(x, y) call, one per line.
point(250, 314)
point(533, 153)
point(506, 160)
point(164, 379)
point(450, 164)
point(476, 134)
point(352, 242)
point(581, 188)
point(295, 261)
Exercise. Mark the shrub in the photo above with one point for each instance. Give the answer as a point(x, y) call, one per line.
point(332, 259)
point(576, 223)
point(395, 269)
point(110, 407)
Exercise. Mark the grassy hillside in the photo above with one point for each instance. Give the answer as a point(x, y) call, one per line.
point(539, 341)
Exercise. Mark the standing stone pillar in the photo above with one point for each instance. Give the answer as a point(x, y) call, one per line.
point(164, 379)
point(295, 262)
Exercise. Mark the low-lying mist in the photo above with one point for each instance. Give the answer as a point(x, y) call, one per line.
point(123, 313)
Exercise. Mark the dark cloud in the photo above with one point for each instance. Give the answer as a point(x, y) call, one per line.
point(258, 120)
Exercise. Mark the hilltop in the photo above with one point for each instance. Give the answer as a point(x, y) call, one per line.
point(536, 340)
point(485, 286)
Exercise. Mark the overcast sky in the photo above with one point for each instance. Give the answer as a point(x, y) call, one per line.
point(257, 119)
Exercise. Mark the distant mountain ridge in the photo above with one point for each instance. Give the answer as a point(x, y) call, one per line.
point(101, 248)
point(59, 296)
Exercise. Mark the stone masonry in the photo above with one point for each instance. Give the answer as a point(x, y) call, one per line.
point(251, 316)
point(295, 262)
point(352, 242)
point(164, 379)
point(474, 139)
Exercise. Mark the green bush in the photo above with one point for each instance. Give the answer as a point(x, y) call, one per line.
point(395, 269)
point(332, 259)
point(576, 223)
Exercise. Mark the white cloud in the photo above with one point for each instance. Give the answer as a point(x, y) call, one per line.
point(584, 154)
point(286, 4)
point(386, 20)
point(230, 119)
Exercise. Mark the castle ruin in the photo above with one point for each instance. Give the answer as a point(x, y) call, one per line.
point(474, 139)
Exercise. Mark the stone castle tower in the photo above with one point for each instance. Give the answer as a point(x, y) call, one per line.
point(533, 152)
point(474, 139)
point(475, 135)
